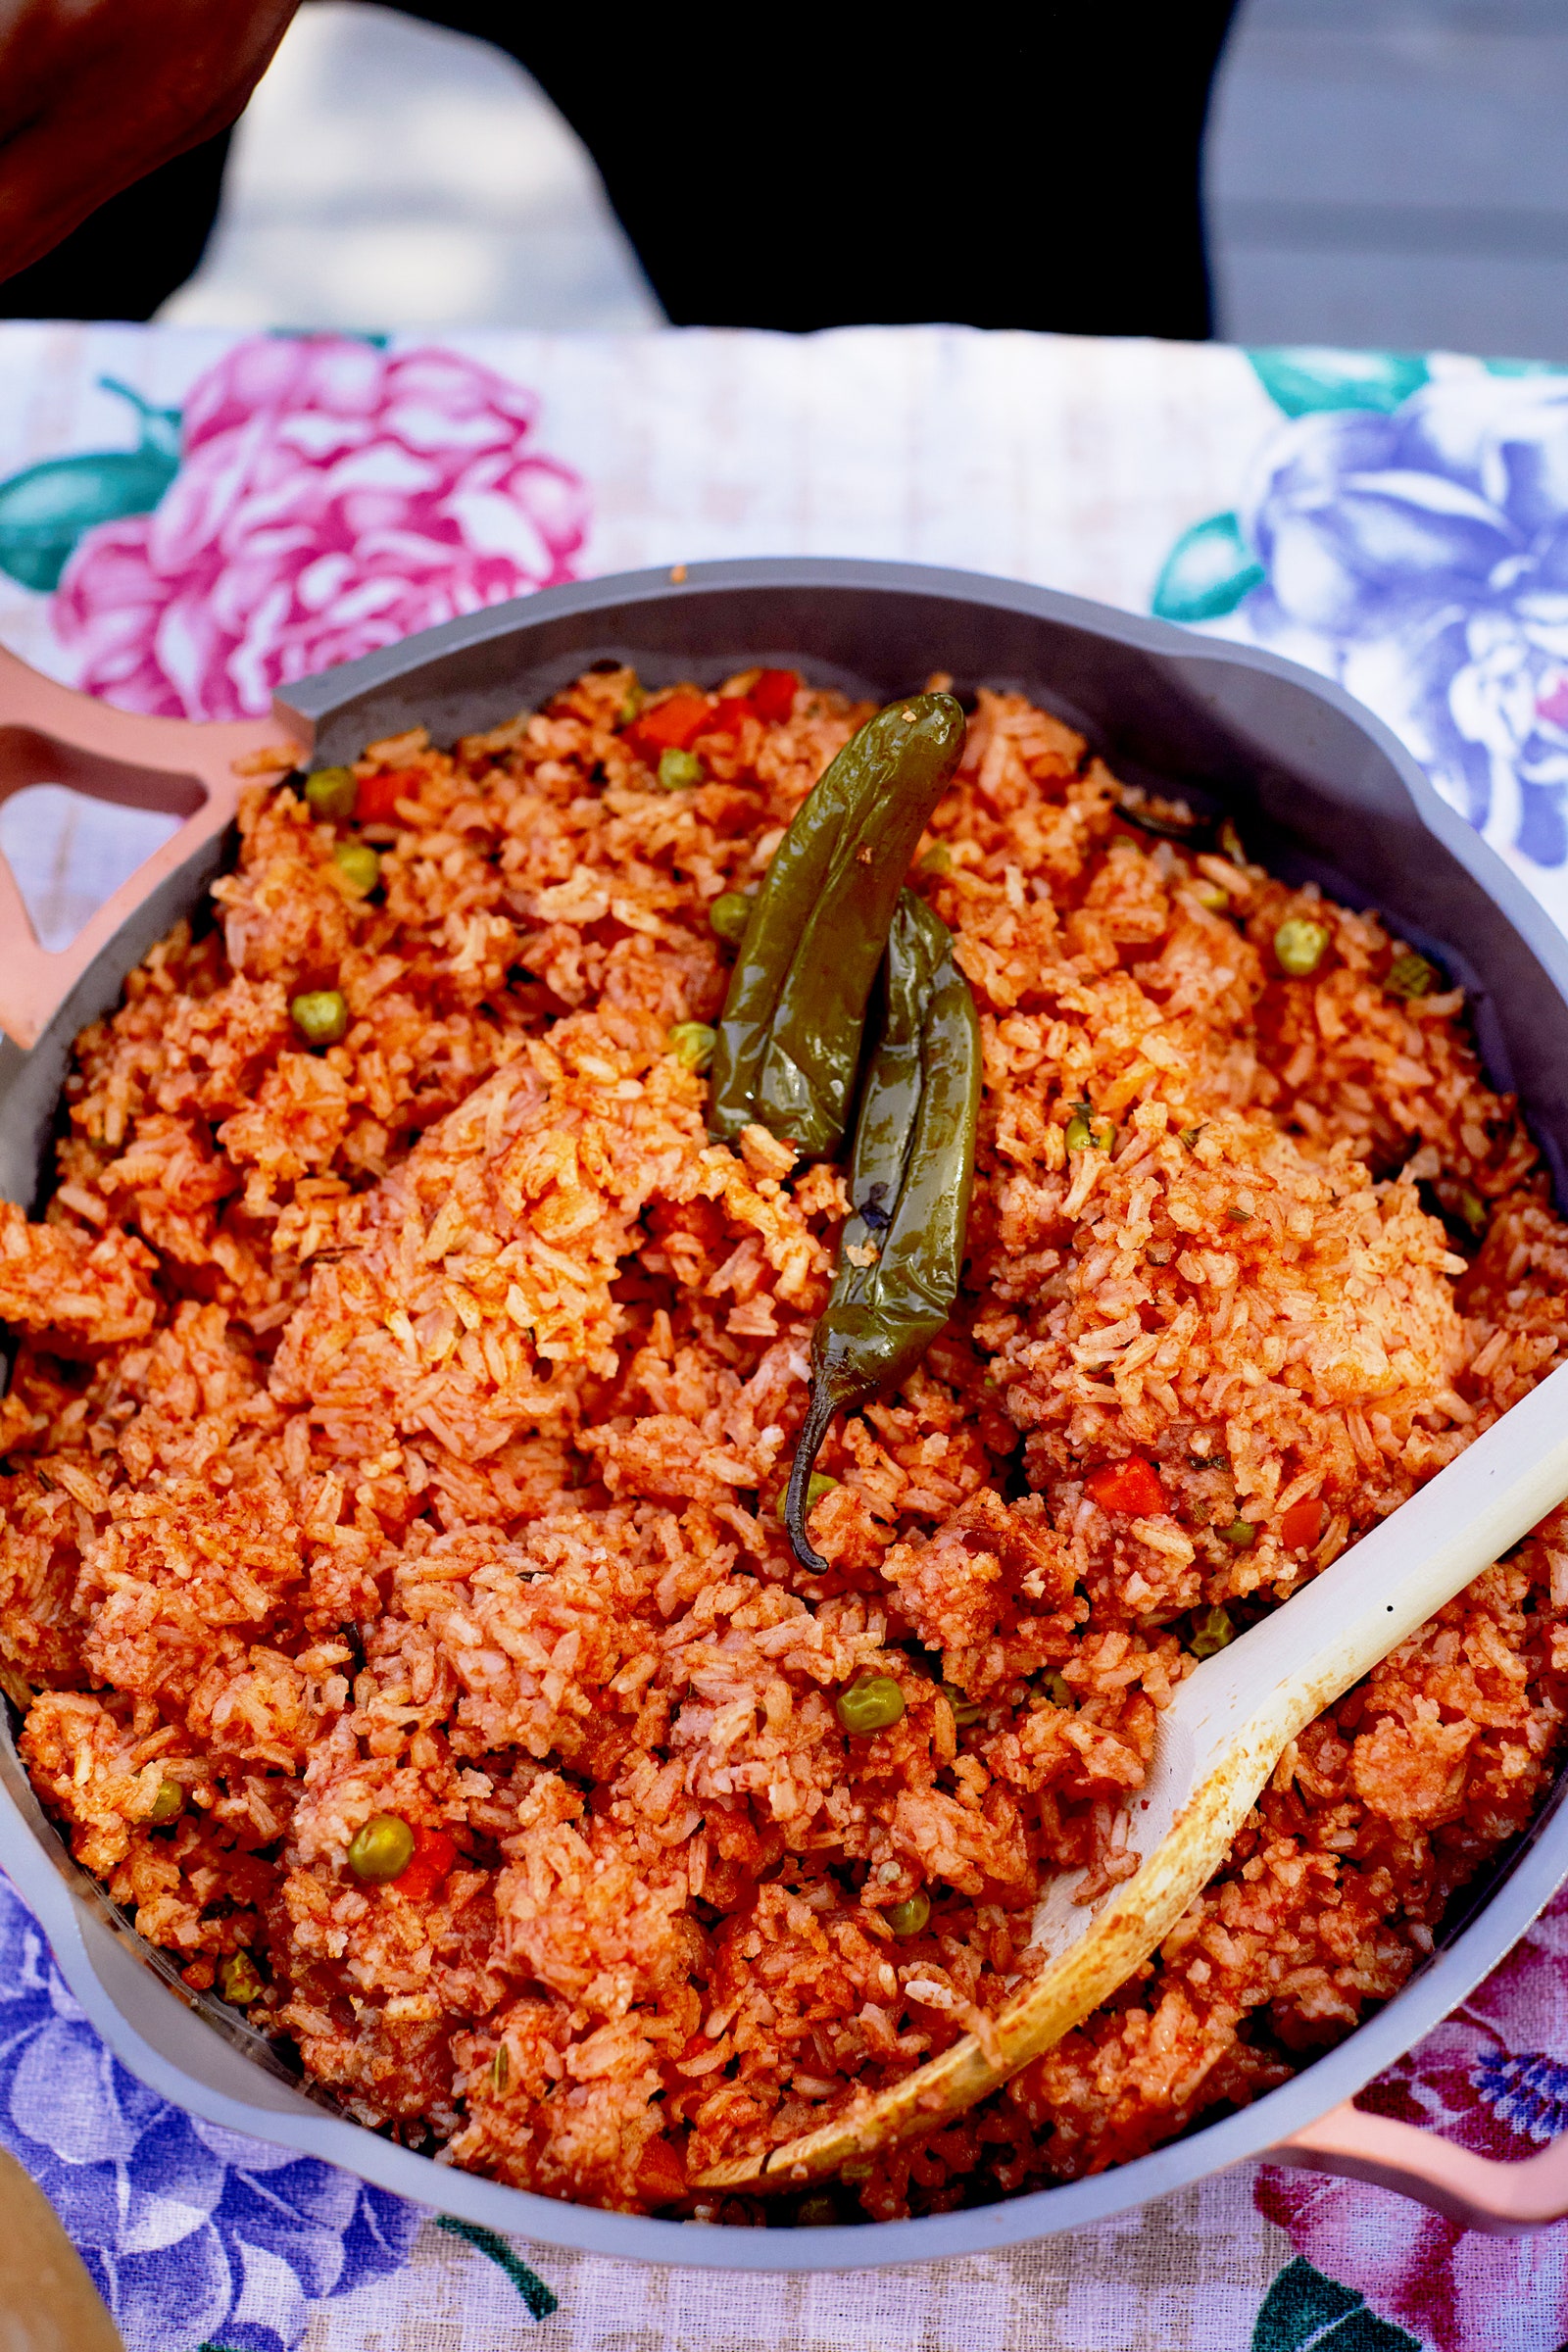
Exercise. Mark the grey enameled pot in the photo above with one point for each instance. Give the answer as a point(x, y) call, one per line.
point(1319, 788)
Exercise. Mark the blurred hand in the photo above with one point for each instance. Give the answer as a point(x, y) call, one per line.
point(96, 93)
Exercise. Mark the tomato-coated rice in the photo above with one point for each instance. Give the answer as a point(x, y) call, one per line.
point(399, 1427)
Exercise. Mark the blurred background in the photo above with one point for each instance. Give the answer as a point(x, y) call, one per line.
point(1379, 173)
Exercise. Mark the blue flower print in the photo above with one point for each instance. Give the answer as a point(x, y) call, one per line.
point(1421, 555)
point(191, 2234)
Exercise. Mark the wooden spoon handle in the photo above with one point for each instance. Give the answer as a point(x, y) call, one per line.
point(47, 2301)
point(51, 735)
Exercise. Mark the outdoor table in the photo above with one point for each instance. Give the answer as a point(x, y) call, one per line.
point(186, 517)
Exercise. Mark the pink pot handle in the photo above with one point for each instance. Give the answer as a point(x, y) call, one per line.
point(1479, 2192)
point(51, 735)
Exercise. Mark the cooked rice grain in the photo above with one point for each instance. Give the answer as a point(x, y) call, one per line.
point(401, 1428)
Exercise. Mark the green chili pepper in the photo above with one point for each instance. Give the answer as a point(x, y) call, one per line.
point(903, 1247)
point(789, 1039)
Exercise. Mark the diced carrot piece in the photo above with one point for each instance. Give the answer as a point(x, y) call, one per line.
point(773, 695)
point(672, 725)
point(661, 2175)
point(728, 715)
point(375, 801)
point(1303, 1524)
point(1132, 1486)
point(433, 1856)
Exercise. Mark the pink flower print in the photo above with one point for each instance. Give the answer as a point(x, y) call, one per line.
point(1495, 2078)
point(331, 499)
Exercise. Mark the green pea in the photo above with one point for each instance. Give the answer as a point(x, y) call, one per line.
point(382, 1849)
point(239, 1979)
point(729, 914)
point(1078, 1132)
point(1411, 975)
point(817, 1485)
point(1212, 894)
point(965, 1710)
point(938, 861)
point(1301, 946)
point(907, 1918)
point(692, 1043)
point(1060, 1690)
point(676, 770)
point(635, 698)
point(1211, 1632)
point(331, 792)
point(1473, 1209)
point(320, 1015)
point(170, 1800)
point(358, 865)
point(816, 2213)
point(1102, 1134)
point(871, 1705)
point(1242, 1533)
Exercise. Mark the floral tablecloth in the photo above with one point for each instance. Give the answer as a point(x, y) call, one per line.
point(187, 519)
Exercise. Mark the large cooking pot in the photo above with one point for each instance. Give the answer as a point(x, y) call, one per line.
point(1321, 790)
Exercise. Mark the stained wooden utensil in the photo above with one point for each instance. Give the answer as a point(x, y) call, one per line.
point(1218, 1741)
point(47, 2301)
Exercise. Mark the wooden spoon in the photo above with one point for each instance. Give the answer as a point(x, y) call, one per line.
point(1218, 1741)
point(47, 2301)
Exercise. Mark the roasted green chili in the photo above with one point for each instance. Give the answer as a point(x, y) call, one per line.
point(903, 1247)
point(789, 1039)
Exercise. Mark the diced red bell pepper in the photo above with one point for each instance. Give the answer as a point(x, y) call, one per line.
point(672, 725)
point(376, 799)
point(728, 715)
point(661, 2175)
point(773, 695)
point(1301, 1526)
point(433, 1856)
point(1132, 1486)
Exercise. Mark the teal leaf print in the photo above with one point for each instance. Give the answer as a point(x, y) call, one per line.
point(1302, 379)
point(45, 509)
point(528, 2283)
point(1207, 572)
point(1523, 367)
point(1304, 2312)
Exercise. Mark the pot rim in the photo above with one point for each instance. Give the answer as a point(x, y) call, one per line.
point(86, 1949)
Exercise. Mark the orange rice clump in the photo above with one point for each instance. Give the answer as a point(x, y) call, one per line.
point(400, 1427)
